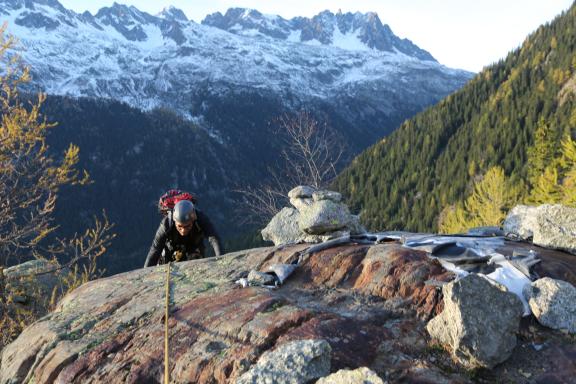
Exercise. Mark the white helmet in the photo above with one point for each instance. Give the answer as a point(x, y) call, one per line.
point(184, 211)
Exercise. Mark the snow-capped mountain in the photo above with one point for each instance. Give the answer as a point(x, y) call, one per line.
point(350, 31)
point(350, 61)
point(230, 77)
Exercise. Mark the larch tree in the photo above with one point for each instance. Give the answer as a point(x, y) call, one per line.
point(30, 179)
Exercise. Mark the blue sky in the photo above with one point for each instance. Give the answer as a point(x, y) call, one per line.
point(467, 34)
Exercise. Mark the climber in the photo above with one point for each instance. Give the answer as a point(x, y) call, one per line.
point(181, 234)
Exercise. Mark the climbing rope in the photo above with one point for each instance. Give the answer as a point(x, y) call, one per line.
point(166, 373)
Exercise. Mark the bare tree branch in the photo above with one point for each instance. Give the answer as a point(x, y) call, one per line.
point(309, 157)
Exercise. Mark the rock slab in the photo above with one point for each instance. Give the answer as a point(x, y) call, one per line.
point(553, 303)
point(357, 376)
point(296, 362)
point(479, 322)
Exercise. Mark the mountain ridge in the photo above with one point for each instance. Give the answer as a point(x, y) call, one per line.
point(147, 61)
point(324, 28)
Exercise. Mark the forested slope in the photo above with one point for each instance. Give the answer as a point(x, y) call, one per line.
point(432, 160)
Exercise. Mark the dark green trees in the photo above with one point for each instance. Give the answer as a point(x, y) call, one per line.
point(433, 160)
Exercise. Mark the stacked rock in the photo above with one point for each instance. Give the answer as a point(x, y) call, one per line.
point(318, 215)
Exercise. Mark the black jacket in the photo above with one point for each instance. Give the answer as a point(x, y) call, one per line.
point(191, 246)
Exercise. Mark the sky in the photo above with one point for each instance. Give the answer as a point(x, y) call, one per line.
point(465, 34)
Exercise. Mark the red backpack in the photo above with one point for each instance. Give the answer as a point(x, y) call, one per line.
point(170, 198)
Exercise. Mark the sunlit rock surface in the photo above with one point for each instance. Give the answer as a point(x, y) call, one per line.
point(370, 303)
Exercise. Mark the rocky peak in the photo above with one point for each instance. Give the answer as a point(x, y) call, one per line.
point(219, 330)
point(127, 20)
point(33, 14)
point(378, 303)
point(121, 13)
point(321, 28)
point(87, 17)
point(352, 31)
point(173, 14)
point(31, 4)
point(245, 21)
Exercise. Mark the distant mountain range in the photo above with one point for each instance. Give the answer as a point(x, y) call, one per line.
point(351, 61)
point(350, 31)
point(159, 101)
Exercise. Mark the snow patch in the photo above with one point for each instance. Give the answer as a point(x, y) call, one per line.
point(313, 42)
point(294, 36)
point(349, 41)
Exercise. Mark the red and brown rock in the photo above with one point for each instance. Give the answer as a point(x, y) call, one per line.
point(358, 298)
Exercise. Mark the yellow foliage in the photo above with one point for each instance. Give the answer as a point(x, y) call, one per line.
point(572, 120)
point(472, 169)
point(546, 189)
point(557, 182)
point(491, 199)
point(559, 76)
point(488, 204)
point(568, 163)
point(553, 42)
point(453, 219)
point(568, 151)
point(31, 178)
point(568, 188)
point(538, 57)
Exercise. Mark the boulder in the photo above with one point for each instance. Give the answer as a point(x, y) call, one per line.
point(260, 278)
point(479, 322)
point(301, 196)
point(296, 362)
point(521, 221)
point(357, 376)
point(556, 227)
point(327, 195)
point(33, 278)
point(301, 192)
point(553, 303)
point(551, 226)
point(324, 216)
point(356, 228)
point(283, 228)
point(319, 216)
point(301, 203)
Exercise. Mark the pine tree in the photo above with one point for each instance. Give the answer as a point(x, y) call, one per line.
point(542, 152)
